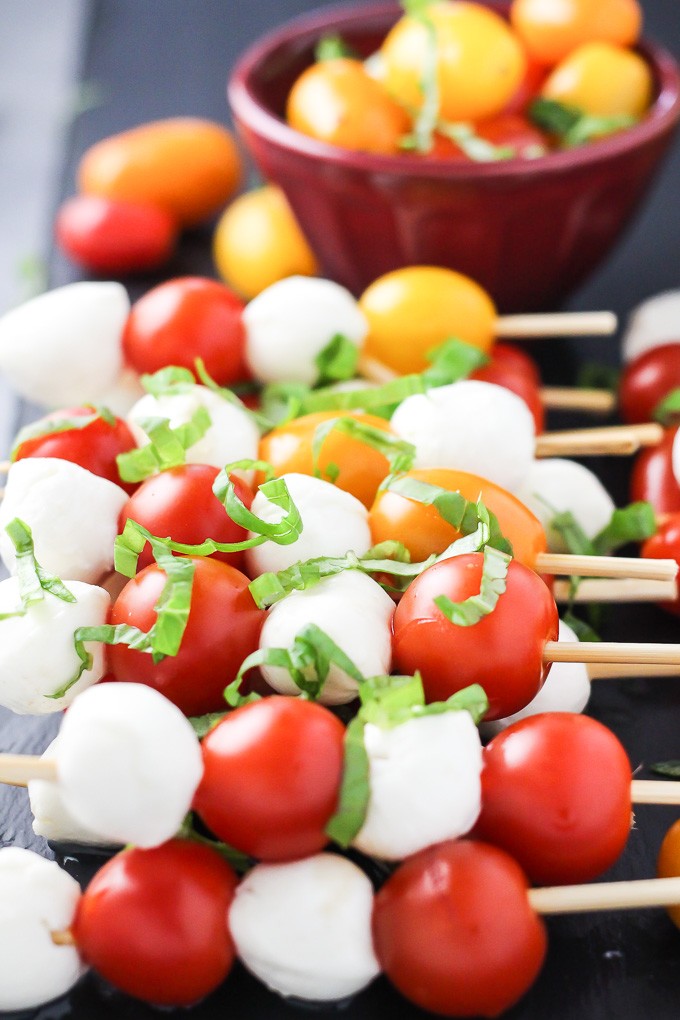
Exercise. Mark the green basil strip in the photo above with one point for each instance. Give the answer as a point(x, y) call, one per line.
point(203, 724)
point(476, 607)
point(476, 148)
point(106, 634)
point(671, 769)
point(284, 532)
point(32, 579)
point(239, 861)
point(450, 361)
point(571, 125)
point(52, 426)
point(571, 533)
point(388, 700)
point(667, 411)
point(338, 360)
point(283, 401)
point(355, 790)
point(167, 447)
point(425, 122)
point(173, 605)
point(582, 630)
point(332, 47)
point(632, 523)
point(169, 382)
point(470, 699)
point(398, 452)
point(262, 423)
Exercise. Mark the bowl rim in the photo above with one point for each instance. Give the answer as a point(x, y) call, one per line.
point(246, 108)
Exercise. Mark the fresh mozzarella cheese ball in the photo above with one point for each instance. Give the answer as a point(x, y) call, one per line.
point(37, 898)
point(555, 485)
point(566, 689)
point(128, 764)
point(333, 522)
point(675, 457)
point(470, 426)
point(63, 347)
point(290, 323)
point(654, 322)
point(37, 650)
point(425, 784)
point(354, 611)
point(72, 513)
point(304, 928)
point(232, 435)
point(122, 396)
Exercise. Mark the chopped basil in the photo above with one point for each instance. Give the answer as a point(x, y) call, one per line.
point(167, 447)
point(332, 47)
point(632, 523)
point(33, 581)
point(671, 769)
point(355, 790)
point(572, 126)
point(476, 607)
point(337, 361)
point(667, 411)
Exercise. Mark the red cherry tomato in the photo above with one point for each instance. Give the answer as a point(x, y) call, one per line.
point(516, 382)
point(181, 505)
point(272, 777)
point(529, 88)
point(503, 651)
point(652, 476)
point(107, 235)
point(665, 545)
point(223, 628)
point(454, 931)
point(184, 319)
point(514, 359)
point(154, 922)
point(556, 795)
point(506, 130)
point(647, 380)
point(94, 447)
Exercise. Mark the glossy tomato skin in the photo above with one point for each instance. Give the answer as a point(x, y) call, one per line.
point(503, 651)
point(454, 931)
point(223, 628)
point(154, 922)
point(516, 382)
point(106, 235)
point(668, 865)
point(93, 447)
point(514, 359)
point(180, 504)
point(647, 380)
point(652, 478)
point(556, 795)
point(183, 319)
point(272, 777)
point(665, 545)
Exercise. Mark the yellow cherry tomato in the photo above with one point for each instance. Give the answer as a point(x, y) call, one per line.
point(668, 865)
point(258, 241)
point(337, 101)
point(603, 80)
point(410, 311)
point(480, 61)
point(550, 29)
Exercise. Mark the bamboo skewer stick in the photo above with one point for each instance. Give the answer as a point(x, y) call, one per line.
point(5, 465)
point(611, 651)
point(615, 440)
point(19, 769)
point(573, 899)
point(533, 326)
point(607, 566)
point(621, 670)
point(655, 791)
point(619, 589)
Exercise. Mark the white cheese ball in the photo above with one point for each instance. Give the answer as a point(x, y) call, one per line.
point(425, 784)
point(121, 397)
point(232, 435)
point(675, 457)
point(304, 928)
point(654, 322)
point(555, 485)
point(334, 522)
point(128, 764)
point(64, 347)
point(37, 898)
point(355, 613)
point(37, 650)
point(566, 689)
point(72, 513)
point(290, 323)
point(470, 426)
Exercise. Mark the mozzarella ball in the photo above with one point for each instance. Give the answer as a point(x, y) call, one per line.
point(37, 898)
point(121, 397)
point(37, 650)
point(354, 612)
point(232, 435)
point(333, 522)
point(72, 513)
point(654, 322)
point(566, 689)
point(555, 485)
point(470, 426)
point(290, 323)
point(63, 347)
point(425, 784)
point(128, 764)
point(675, 456)
point(304, 928)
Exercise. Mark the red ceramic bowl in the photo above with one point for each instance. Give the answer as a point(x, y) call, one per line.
point(529, 231)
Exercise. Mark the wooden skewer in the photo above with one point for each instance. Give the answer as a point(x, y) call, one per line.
point(611, 651)
point(573, 899)
point(655, 791)
point(634, 567)
point(620, 589)
point(4, 467)
point(556, 324)
point(621, 670)
point(19, 769)
point(616, 440)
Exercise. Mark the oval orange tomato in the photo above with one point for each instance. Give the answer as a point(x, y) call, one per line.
point(551, 30)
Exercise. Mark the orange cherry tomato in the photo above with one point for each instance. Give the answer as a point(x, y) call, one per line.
point(188, 166)
point(603, 80)
point(360, 468)
point(337, 101)
point(423, 531)
point(551, 30)
point(668, 865)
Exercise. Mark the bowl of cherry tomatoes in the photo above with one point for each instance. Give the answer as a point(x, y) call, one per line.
point(518, 163)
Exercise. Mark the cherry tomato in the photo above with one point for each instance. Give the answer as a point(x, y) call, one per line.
point(258, 241)
point(506, 129)
point(529, 87)
point(652, 476)
point(272, 777)
point(556, 795)
point(602, 80)
point(552, 30)
point(646, 380)
point(94, 447)
point(187, 166)
point(184, 319)
point(361, 468)
point(338, 102)
point(665, 545)
point(223, 628)
point(180, 504)
point(154, 922)
point(516, 382)
point(503, 651)
point(109, 236)
point(668, 865)
point(514, 359)
point(400, 335)
point(454, 930)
